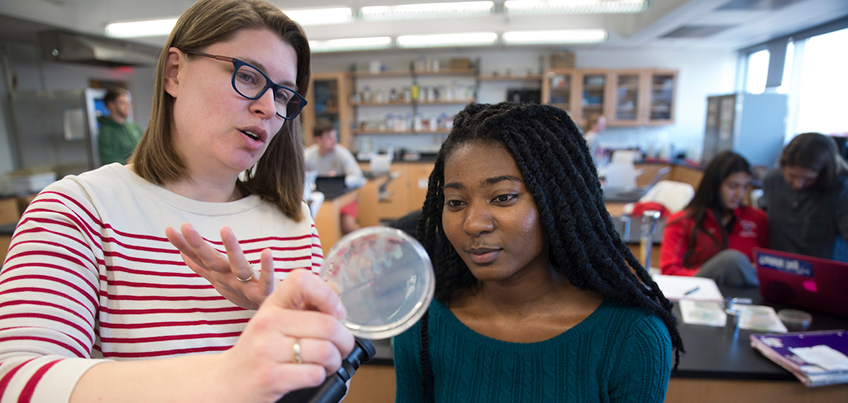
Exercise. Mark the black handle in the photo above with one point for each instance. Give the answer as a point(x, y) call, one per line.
point(334, 387)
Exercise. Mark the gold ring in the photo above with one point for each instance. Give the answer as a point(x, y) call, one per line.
point(250, 277)
point(296, 347)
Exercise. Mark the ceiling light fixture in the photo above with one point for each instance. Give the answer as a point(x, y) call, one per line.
point(140, 28)
point(518, 7)
point(350, 44)
point(445, 40)
point(428, 10)
point(559, 37)
point(321, 16)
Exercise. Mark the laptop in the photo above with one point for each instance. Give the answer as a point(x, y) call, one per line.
point(331, 186)
point(634, 194)
point(803, 281)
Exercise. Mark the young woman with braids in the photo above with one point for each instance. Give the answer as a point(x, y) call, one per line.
point(537, 297)
point(715, 235)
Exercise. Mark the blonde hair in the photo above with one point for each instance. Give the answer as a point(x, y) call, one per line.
point(279, 174)
point(591, 121)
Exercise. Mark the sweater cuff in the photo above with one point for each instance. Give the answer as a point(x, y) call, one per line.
point(59, 382)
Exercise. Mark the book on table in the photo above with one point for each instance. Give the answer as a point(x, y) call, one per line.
point(816, 358)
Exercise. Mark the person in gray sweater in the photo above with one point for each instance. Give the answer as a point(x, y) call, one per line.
point(807, 199)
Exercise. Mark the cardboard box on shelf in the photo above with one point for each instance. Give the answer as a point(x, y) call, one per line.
point(460, 63)
point(562, 60)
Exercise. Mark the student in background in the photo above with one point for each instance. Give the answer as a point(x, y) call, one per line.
point(595, 124)
point(331, 159)
point(101, 300)
point(117, 136)
point(714, 236)
point(807, 199)
point(535, 298)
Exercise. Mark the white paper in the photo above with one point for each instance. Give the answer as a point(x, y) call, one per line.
point(73, 122)
point(822, 355)
point(759, 318)
point(702, 313)
point(676, 288)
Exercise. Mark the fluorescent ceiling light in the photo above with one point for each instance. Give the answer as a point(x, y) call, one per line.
point(441, 40)
point(566, 36)
point(321, 16)
point(428, 10)
point(140, 28)
point(348, 44)
point(575, 6)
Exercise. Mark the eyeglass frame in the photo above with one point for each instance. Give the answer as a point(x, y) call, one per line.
point(237, 63)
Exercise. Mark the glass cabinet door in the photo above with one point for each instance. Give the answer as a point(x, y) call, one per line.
point(662, 97)
point(627, 97)
point(593, 94)
point(328, 99)
point(558, 89)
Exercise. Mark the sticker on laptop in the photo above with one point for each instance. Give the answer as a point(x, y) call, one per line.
point(786, 265)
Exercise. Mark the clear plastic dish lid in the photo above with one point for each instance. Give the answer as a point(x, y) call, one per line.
point(384, 278)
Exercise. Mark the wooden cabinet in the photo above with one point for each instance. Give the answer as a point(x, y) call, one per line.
point(662, 96)
point(642, 97)
point(405, 193)
point(594, 95)
point(328, 98)
point(559, 88)
point(418, 177)
point(627, 98)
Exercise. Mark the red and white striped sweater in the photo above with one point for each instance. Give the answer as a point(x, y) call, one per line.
point(90, 275)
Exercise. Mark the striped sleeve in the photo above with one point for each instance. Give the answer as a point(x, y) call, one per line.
point(49, 288)
point(317, 252)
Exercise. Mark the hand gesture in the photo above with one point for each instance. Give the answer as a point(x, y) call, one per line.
point(231, 274)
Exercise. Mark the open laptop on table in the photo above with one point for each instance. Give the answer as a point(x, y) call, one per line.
point(803, 281)
point(634, 194)
point(331, 186)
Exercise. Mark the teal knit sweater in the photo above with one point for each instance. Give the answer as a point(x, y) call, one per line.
point(617, 354)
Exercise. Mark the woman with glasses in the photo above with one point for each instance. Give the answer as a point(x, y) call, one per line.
point(102, 299)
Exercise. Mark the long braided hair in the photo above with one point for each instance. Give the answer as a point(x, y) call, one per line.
point(557, 168)
point(708, 197)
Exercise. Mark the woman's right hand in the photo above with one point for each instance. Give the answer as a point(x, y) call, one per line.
point(261, 365)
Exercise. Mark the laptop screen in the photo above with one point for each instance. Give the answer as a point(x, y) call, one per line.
point(803, 281)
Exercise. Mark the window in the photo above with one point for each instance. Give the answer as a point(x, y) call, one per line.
point(787, 69)
point(755, 82)
point(823, 84)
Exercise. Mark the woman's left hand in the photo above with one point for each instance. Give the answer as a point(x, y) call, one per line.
point(231, 274)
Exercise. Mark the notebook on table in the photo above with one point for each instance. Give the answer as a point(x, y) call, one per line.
point(803, 281)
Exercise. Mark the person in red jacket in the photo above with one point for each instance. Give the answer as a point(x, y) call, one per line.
point(715, 234)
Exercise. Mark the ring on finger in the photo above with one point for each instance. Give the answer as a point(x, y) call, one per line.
point(250, 277)
point(296, 348)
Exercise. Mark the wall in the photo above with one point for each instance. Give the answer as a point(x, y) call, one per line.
point(22, 63)
point(701, 73)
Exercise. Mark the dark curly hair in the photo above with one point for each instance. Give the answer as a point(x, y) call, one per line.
point(557, 169)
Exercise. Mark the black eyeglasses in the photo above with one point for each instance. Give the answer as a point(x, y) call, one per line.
point(251, 83)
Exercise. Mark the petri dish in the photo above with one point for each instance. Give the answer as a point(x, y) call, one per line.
point(384, 278)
